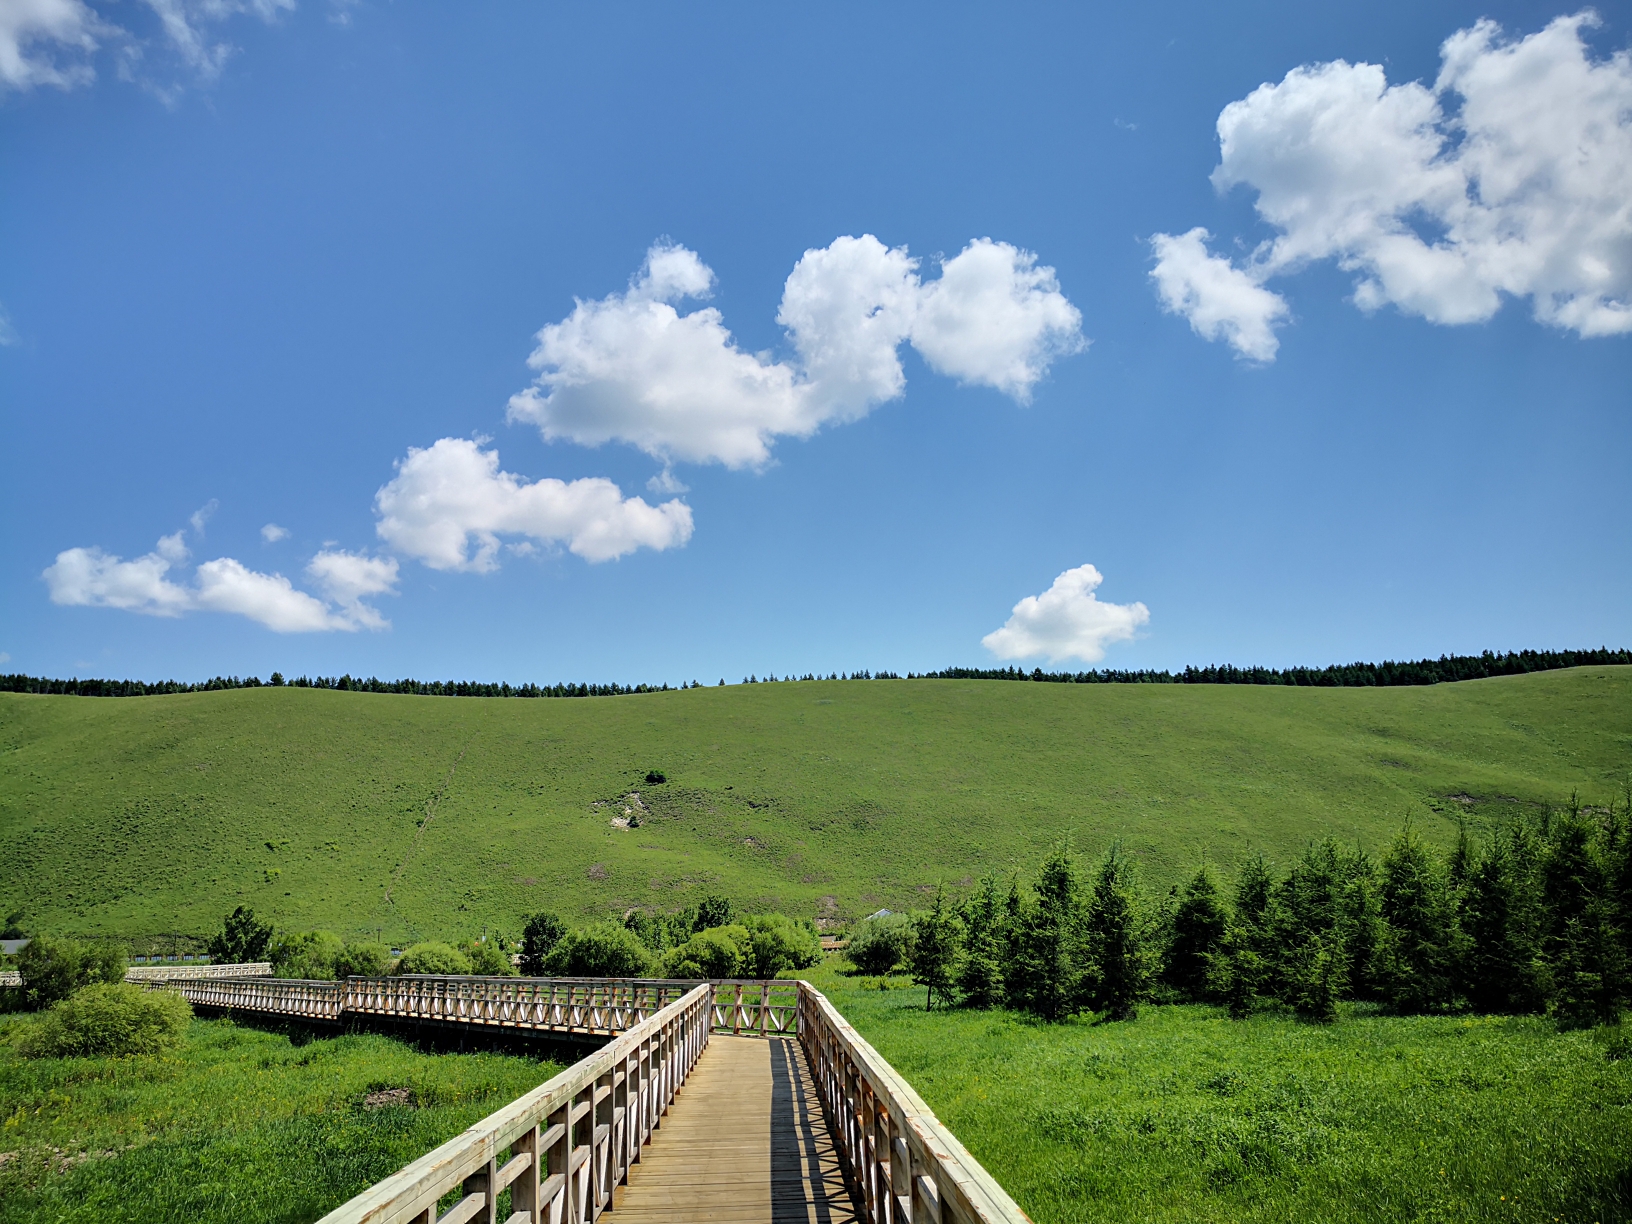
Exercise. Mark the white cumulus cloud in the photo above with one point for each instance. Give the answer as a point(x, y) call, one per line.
point(995, 318)
point(1221, 301)
point(1067, 621)
point(449, 503)
point(631, 368)
point(272, 533)
point(1510, 177)
point(44, 42)
point(90, 577)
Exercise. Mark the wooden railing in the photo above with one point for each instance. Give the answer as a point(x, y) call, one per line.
point(562, 1148)
point(176, 973)
point(297, 999)
point(906, 1165)
point(591, 1007)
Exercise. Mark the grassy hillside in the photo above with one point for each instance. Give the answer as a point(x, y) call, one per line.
point(422, 816)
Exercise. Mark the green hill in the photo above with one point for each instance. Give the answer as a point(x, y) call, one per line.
point(434, 816)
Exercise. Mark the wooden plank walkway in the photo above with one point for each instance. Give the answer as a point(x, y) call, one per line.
point(745, 1140)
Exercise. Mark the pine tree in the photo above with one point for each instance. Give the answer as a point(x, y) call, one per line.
point(1116, 975)
point(934, 950)
point(1246, 941)
point(1416, 954)
point(1195, 938)
point(1048, 943)
point(1360, 925)
point(1591, 969)
point(1501, 968)
point(979, 975)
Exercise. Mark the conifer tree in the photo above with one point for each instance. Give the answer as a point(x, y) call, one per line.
point(1501, 969)
point(1360, 925)
point(934, 950)
point(1115, 971)
point(1246, 940)
point(1417, 944)
point(1591, 970)
point(979, 972)
point(1195, 938)
point(1048, 951)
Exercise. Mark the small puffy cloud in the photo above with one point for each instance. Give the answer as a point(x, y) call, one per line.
point(203, 515)
point(1067, 621)
point(351, 578)
point(43, 42)
point(449, 503)
point(1221, 301)
point(93, 578)
point(1509, 177)
point(89, 577)
point(631, 368)
point(995, 318)
point(272, 533)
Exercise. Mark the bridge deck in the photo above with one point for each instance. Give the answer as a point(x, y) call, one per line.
point(746, 1139)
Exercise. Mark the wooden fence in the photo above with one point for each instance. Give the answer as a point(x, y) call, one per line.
point(562, 1148)
point(176, 973)
point(905, 1164)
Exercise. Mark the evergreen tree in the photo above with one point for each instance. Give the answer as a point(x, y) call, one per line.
point(1416, 954)
point(1461, 862)
point(1115, 975)
point(934, 950)
point(1246, 941)
point(1315, 977)
point(1501, 969)
point(1360, 925)
point(1571, 876)
point(979, 972)
point(1048, 943)
point(1195, 938)
point(1591, 970)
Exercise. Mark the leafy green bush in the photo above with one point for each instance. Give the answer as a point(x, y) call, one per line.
point(433, 957)
point(242, 940)
point(53, 969)
point(362, 960)
point(488, 959)
point(311, 956)
point(538, 939)
point(601, 950)
point(877, 945)
point(108, 1020)
point(779, 942)
point(722, 952)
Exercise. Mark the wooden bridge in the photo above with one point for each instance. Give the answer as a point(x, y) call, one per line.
point(721, 1101)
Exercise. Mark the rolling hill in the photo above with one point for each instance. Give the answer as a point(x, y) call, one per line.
point(433, 816)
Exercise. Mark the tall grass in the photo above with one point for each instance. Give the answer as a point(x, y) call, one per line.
point(1184, 1115)
point(239, 1124)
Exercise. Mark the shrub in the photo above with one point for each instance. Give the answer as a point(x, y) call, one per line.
point(878, 944)
point(488, 959)
point(107, 1020)
point(362, 960)
point(538, 939)
point(722, 952)
point(602, 950)
point(777, 942)
point(311, 956)
point(53, 969)
point(433, 957)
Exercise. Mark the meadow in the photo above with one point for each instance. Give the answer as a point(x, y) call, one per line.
point(403, 817)
point(238, 1124)
point(1185, 1115)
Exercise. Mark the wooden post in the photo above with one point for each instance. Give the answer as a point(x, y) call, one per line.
point(482, 1182)
point(524, 1190)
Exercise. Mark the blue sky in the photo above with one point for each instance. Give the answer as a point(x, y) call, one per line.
point(254, 257)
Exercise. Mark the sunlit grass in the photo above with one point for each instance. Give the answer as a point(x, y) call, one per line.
point(238, 1125)
point(1186, 1115)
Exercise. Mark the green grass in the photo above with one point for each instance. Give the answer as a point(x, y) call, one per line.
point(239, 1124)
point(1184, 1115)
point(153, 814)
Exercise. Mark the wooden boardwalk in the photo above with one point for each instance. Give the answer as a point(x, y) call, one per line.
point(746, 1140)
